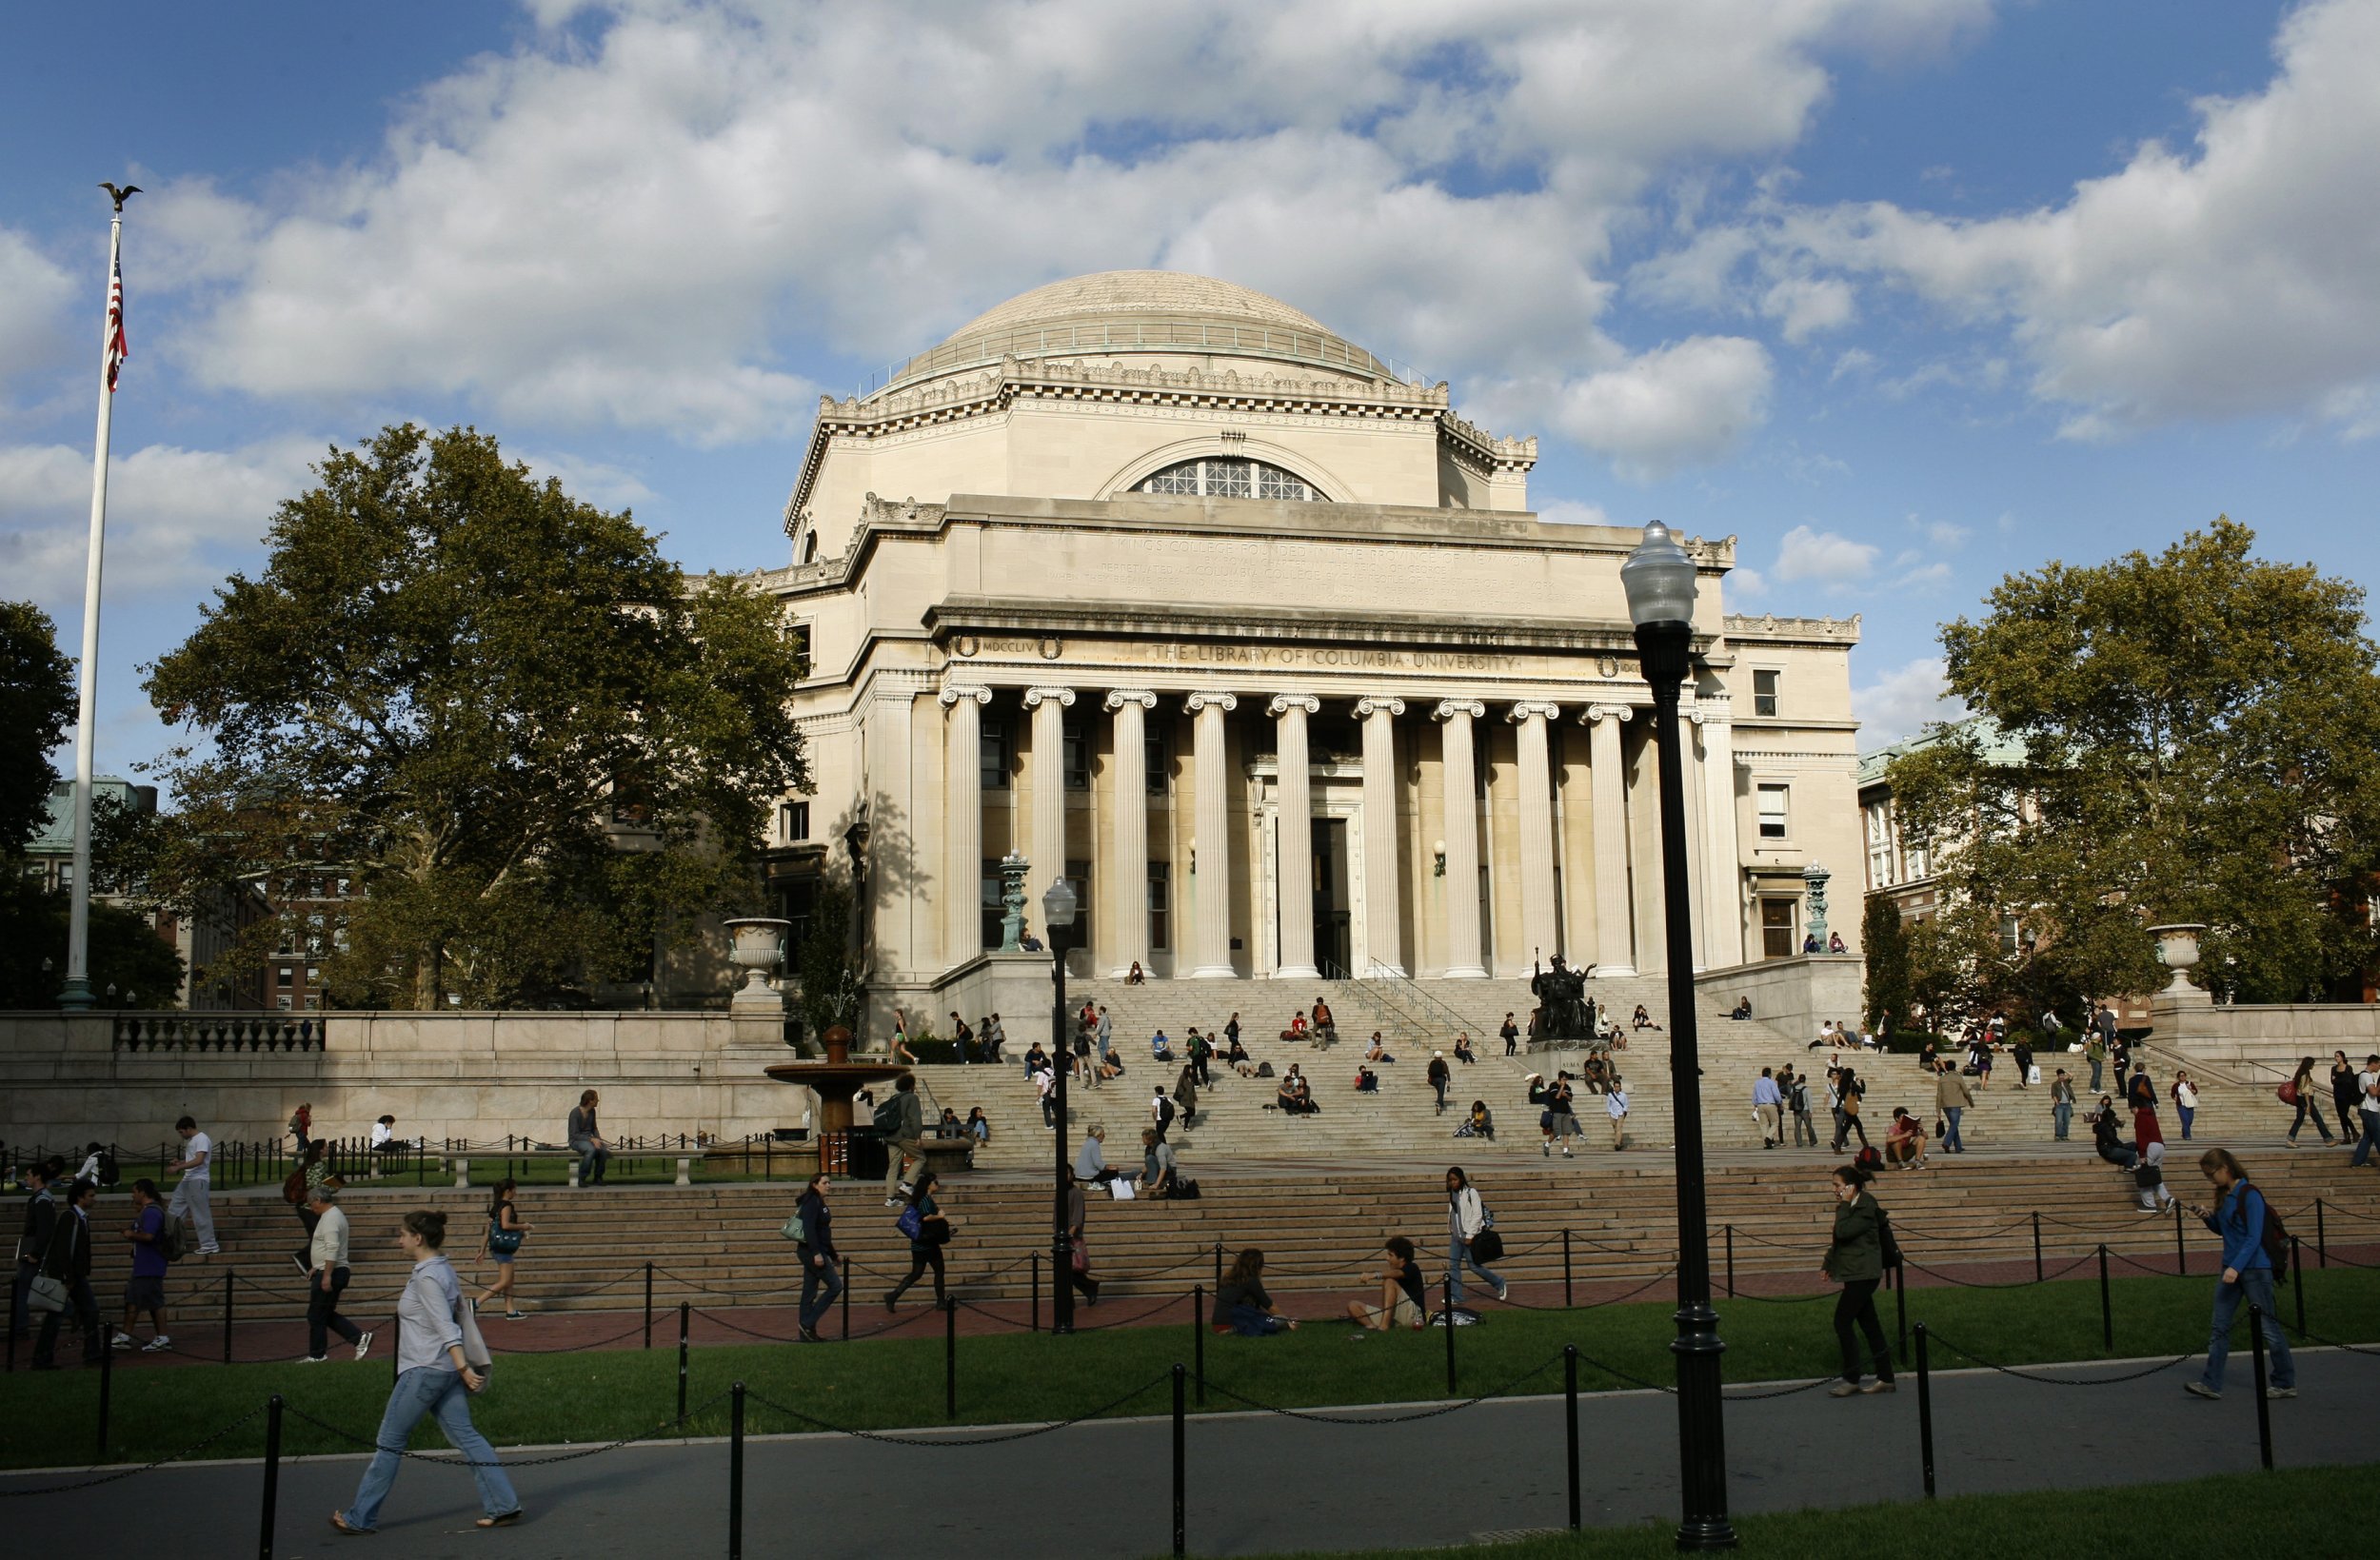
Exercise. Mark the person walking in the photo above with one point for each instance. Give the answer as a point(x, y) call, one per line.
point(908, 1138)
point(1950, 1097)
point(1045, 1088)
point(2185, 1095)
point(2346, 1098)
point(41, 1216)
point(1798, 1098)
point(328, 1280)
point(1852, 1092)
point(66, 1263)
point(1854, 1258)
point(502, 1241)
point(2096, 1054)
point(313, 1171)
point(1187, 1094)
point(1161, 1113)
point(2061, 1103)
point(1615, 1106)
point(2368, 1085)
point(2148, 1170)
point(1510, 1032)
point(1765, 1100)
point(1078, 1248)
point(435, 1378)
point(1439, 1076)
point(1466, 1220)
point(302, 1128)
point(586, 1140)
point(821, 1265)
point(1561, 1100)
point(145, 1289)
point(928, 1233)
point(190, 1205)
point(2238, 1216)
point(2300, 1093)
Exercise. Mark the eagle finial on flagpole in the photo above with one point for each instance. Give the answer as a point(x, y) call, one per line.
point(120, 195)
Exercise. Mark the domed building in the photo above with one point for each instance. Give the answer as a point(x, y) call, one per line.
point(1160, 582)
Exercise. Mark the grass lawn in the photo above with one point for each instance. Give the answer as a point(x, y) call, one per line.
point(2301, 1514)
point(51, 1420)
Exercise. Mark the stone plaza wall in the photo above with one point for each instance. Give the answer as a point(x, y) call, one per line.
point(476, 1076)
point(2261, 1042)
point(1792, 995)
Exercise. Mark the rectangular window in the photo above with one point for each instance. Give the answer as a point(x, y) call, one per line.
point(1228, 480)
point(991, 901)
point(1914, 858)
point(1776, 929)
point(1078, 755)
point(285, 976)
point(1764, 693)
point(1154, 759)
point(1160, 906)
point(283, 1003)
point(800, 633)
point(313, 1004)
point(995, 749)
point(793, 819)
point(1773, 799)
point(2011, 935)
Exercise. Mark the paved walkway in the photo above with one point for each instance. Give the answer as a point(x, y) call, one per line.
point(1258, 1483)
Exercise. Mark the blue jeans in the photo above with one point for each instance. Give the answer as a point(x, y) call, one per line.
point(591, 1161)
point(420, 1393)
point(2186, 1113)
point(2095, 1085)
point(2369, 1142)
point(1949, 1138)
point(2255, 1286)
point(819, 1285)
point(1251, 1322)
point(2061, 1113)
point(1458, 1256)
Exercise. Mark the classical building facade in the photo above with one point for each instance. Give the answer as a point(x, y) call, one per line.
point(1161, 583)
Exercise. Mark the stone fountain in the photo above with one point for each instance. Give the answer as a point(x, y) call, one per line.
point(835, 1081)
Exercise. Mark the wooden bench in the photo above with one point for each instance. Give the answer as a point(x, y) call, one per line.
point(461, 1162)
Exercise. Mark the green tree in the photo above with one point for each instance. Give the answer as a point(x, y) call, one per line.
point(526, 738)
point(127, 954)
point(1886, 944)
point(830, 979)
point(2197, 737)
point(36, 712)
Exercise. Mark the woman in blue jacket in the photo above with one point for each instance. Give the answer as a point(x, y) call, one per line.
point(2238, 1217)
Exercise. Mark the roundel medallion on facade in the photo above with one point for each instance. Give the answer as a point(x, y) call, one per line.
point(1049, 649)
point(968, 644)
point(1608, 665)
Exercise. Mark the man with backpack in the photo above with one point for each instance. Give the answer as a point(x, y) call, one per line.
point(901, 1120)
point(1161, 1113)
point(2255, 1252)
point(189, 1206)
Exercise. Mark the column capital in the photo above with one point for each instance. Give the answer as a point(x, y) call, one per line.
point(1715, 707)
point(1371, 705)
point(1448, 708)
point(1118, 698)
point(1065, 696)
point(1525, 710)
point(1602, 712)
point(951, 695)
point(1283, 702)
point(1224, 701)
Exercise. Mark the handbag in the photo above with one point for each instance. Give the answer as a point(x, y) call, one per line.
point(1487, 1246)
point(2286, 1093)
point(791, 1229)
point(503, 1240)
point(47, 1293)
point(1079, 1260)
point(475, 1351)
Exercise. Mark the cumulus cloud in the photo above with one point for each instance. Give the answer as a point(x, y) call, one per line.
point(1904, 701)
point(33, 303)
point(1826, 558)
point(1573, 512)
point(632, 221)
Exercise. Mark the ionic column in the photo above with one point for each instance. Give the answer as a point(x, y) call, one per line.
point(1540, 925)
point(1462, 838)
point(1384, 939)
point(1616, 949)
point(1045, 836)
point(962, 824)
point(1129, 872)
point(1210, 948)
point(1292, 832)
point(1725, 919)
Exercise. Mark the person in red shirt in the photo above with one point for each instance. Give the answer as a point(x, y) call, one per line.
point(2148, 1141)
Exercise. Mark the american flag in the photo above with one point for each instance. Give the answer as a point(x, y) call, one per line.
point(118, 348)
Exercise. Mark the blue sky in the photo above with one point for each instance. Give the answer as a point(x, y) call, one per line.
point(1905, 295)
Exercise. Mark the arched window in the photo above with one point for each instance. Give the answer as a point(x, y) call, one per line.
point(1222, 477)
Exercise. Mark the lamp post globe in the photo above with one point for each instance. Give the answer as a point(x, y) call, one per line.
point(1059, 905)
point(1659, 578)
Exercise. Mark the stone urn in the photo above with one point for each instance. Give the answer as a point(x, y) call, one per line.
point(760, 947)
point(2177, 945)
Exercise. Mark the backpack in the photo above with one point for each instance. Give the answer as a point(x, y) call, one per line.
point(1869, 1158)
point(171, 1243)
point(1888, 1245)
point(887, 1115)
point(106, 1168)
point(293, 1186)
point(2276, 1240)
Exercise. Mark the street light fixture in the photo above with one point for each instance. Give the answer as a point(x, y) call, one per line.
point(1058, 912)
point(1659, 579)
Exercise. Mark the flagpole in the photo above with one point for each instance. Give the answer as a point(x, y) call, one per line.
point(78, 993)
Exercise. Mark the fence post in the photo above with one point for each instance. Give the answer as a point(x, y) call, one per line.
point(1033, 1317)
point(1197, 1336)
point(1181, 1464)
point(2181, 1253)
point(846, 1302)
point(1570, 1417)
point(2036, 1245)
point(1566, 1300)
point(735, 1476)
point(1900, 1310)
point(2264, 1404)
point(1218, 1267)
point(1925, 1412)
point(685, 1320)
point(2107, 1306)
point(648, 1305)
point(2321, 1237)
point(272, 1476)
point(1447, 1316)
point(2297, 1277)
point(227, 1315)
point(107, 1378)
point(1731, 1261)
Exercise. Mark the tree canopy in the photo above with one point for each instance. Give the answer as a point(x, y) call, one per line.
point(36, 712)
point(2197, 738)
point(529, 742)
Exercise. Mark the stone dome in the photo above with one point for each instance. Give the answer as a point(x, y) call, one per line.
point(1136, 292)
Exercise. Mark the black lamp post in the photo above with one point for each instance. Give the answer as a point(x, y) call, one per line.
point(1057, 910)
point(1659, 579)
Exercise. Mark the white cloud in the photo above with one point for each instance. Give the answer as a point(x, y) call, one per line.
point(33, 303)
point(2234, 279)
point(1747, 582)
point(1917, 576)
point(1903, 702)
point(1825, 557)
point(630, 224)
point(1573, 512)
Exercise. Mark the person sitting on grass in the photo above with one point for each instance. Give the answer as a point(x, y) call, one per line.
point(1242, 1305)
point(1401, 1303)
point(1905, 1141)
point(1479, 1123)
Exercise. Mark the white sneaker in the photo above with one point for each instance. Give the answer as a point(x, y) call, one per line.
point(364, 1345)
point(313, 1359)
point(157, 1345)
point(122, 1341)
